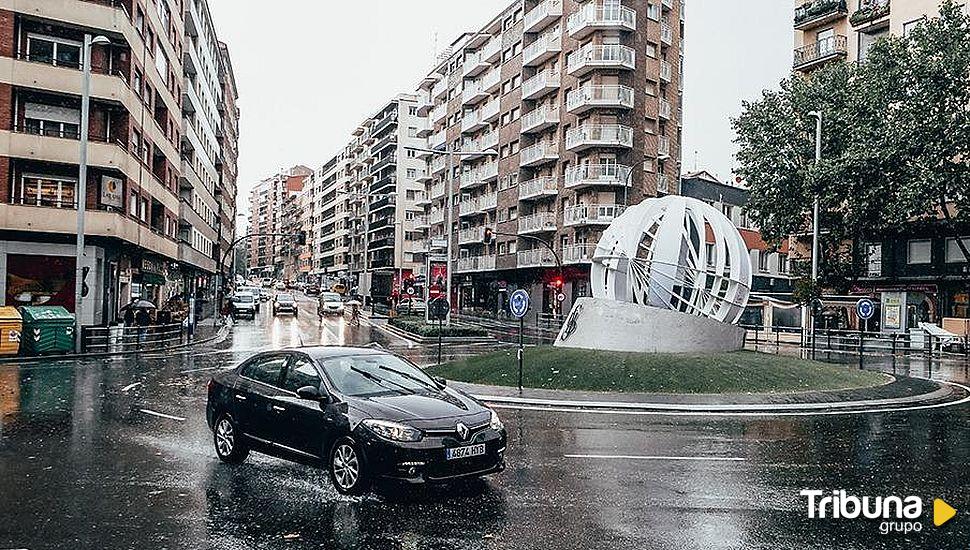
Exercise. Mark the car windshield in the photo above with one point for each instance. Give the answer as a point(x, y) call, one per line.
point(331, 297)
point(245, 298)
point(365, 375)
point(285, 297)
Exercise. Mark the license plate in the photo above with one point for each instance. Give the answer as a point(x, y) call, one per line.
point(465, 452)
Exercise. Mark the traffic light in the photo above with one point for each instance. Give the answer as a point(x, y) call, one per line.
point(556, 283)
point(487, 236)
point(301, 238)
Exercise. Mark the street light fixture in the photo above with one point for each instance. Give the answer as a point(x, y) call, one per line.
point(817, 115)
point(448, 203)
point(82, 180)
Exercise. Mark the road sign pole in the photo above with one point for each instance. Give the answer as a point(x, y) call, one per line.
point(439, 341)
point(521, 351)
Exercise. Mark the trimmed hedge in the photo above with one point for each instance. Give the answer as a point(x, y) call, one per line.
point(417, 326)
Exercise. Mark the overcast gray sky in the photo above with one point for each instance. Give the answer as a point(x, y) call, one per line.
point(309, 71)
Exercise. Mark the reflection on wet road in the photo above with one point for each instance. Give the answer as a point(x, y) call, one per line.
point(82, 466)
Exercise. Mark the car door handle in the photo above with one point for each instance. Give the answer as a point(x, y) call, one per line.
point(277, 408)
point(240, 397)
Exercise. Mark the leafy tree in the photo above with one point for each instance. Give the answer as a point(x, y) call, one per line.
point(896, 142)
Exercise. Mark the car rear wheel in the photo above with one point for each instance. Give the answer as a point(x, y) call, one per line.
point(347, 468)
point(229, 448)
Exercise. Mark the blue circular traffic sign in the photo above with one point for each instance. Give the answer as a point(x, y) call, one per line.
point(865, 308)
point(519, 303)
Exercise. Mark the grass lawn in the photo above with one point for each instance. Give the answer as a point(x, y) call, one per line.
point(549, 367)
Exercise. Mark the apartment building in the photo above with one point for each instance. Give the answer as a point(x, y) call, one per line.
point(914, 273)
point(273, 207)
point(228, 137)
point(150, 214)
point(581, 101)
point(827, 30)
point(202, 91)
point(330, 224)
point(132, 187)
point(385, 189)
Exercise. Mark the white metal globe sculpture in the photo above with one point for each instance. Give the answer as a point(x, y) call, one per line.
point(675, 253)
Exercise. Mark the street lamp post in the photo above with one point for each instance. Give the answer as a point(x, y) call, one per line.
point(449, 186)
point(815, 215)
point(82, 181)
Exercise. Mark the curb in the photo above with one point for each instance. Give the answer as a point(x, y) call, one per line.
point(400, 333)
point(938, 395)
point(221, 334)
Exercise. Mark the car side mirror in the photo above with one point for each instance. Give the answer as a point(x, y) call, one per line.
point(311, 393)
point(440, 381)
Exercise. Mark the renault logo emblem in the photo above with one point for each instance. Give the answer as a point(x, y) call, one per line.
point(462, 430)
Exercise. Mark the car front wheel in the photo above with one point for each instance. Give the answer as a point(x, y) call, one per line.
point(347, 468)
point(229, 447)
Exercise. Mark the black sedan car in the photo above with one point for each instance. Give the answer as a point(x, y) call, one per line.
point(363, 414)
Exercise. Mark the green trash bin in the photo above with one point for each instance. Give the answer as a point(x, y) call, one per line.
point(47, 329)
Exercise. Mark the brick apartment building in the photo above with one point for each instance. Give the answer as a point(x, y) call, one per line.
point(149, 223)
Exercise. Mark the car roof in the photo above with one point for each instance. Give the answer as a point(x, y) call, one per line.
point(328, 352)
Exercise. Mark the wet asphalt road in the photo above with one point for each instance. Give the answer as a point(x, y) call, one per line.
point(83, 466)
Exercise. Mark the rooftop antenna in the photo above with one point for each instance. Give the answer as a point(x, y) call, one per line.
point(695, 160)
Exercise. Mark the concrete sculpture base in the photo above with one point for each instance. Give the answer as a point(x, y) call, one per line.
point(602, 324)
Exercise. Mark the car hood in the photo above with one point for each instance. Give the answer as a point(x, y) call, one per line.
point(420, 409)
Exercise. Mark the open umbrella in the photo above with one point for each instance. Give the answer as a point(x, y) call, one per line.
point(139, 304)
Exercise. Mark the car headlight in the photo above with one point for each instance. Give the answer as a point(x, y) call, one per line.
point(495, 423)
point(393, 430)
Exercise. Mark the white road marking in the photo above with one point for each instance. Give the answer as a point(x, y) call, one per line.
point(130, 387)
point(163, 415)
point(640, 457)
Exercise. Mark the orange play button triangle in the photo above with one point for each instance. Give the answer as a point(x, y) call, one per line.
point(942, 512)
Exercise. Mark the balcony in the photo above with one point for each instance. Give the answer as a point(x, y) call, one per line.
point(544, 48)
point(542, 16)
point(578, 253)
point(591, 214)
point(664, 110)
point(591, 97)
point(541, 84)
point(492, 80)
point(437, 141)
point(541, 222)
point(473, 93)
point(543, 186)
point(492, 51)
point(663, 147)
point(439, 113)
point(490, 171)
point(422, 176)
point(471, 179)
point(474, 65)
point(538, 154)
point(421, 222)
point(539, 119)
point(870, 11)
point(437, 190)
point(819, 12)
point(475, 263)
point(593, 17)
point(421, 198)
point(436, 217)
point(666, 71)
point(666, 34)
point(536, 257)
point(602, 56)
point(472, 122)
point(824, 50)
point(439, 164)
point(440, 90)
point(599, 135)
point(471, 235)
point(592, 175)
point(491, 111)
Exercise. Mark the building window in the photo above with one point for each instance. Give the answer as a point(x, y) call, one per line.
point(52, 191)
point(54, 51)
point(709, 253)
point(953, 253)
point(783, 263)
point(653, 11)
point(762, 261)
point(52, 120)
point(919, 251)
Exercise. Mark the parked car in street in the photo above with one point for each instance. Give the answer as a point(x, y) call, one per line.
point(284, 303)
point(363, 414)
point(330, 303)
point(244, 304)
point(264, 295)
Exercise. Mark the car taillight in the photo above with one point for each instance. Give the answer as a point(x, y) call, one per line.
point(210, 385)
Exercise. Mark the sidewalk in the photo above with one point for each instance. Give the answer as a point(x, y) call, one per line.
point(898, 392)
